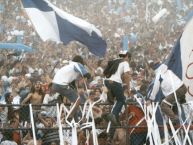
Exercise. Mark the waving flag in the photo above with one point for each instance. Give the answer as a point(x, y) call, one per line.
point(16, 46)
point(51, 23)
point(180, 60)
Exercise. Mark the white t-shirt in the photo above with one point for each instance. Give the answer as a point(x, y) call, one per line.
point(69, 73)
point(122, 68)
point(167, 80)
point(16, 100)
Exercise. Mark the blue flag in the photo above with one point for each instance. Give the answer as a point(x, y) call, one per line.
point(125, 42)
point(51, 23)
point(188, 16)
point(179, 4)
point(16, 47)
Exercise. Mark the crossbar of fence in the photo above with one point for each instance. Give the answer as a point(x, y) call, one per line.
point(126, 127)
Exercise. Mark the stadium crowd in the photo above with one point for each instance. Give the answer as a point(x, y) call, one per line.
point(26, 77)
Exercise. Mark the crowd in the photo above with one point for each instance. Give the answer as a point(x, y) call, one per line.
point(26, 77)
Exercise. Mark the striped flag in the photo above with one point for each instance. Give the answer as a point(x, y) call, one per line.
point(180, 60)
point(51, 23)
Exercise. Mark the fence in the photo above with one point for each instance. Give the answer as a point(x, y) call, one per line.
point(136, 128)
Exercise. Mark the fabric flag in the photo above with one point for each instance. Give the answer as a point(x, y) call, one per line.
point(51, 23)
point(125, 42)
point(180, 60)
point(128, 3)
point(179, 4)
point(188, 16)
point(16, 47)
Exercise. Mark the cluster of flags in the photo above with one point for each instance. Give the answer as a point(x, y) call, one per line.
point(51, 23)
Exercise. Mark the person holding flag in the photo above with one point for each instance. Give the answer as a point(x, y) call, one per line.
point(173, 89)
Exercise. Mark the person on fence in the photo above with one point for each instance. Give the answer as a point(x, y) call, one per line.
point(65, 79)
point(172, 87)
point(117, 72)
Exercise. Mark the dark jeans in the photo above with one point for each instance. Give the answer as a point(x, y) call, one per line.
point(180, 93)
point(117, 91)
point(70, 94)
point(65, 91)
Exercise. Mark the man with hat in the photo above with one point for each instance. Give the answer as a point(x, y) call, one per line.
point(115, 82)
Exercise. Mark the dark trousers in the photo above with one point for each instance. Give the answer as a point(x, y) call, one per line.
point(180, 93)
point(117, 91)
point(65, 91)
point(70, 94)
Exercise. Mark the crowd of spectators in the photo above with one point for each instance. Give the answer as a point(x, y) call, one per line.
point(25, 77)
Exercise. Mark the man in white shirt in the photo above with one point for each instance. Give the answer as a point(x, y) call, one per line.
point(115, 84)
point(65, 76)
point(171, 86)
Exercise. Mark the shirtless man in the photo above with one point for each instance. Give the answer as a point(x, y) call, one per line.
point(35, 97)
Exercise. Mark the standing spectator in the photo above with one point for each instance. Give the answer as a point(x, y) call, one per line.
point(3, 113)
point(5, 84)
point(35, 97)
point(99, 70)
point(51, 99)
point(9, 99)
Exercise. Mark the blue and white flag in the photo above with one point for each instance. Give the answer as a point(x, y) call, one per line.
point(51, 23)
point(180, 60)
